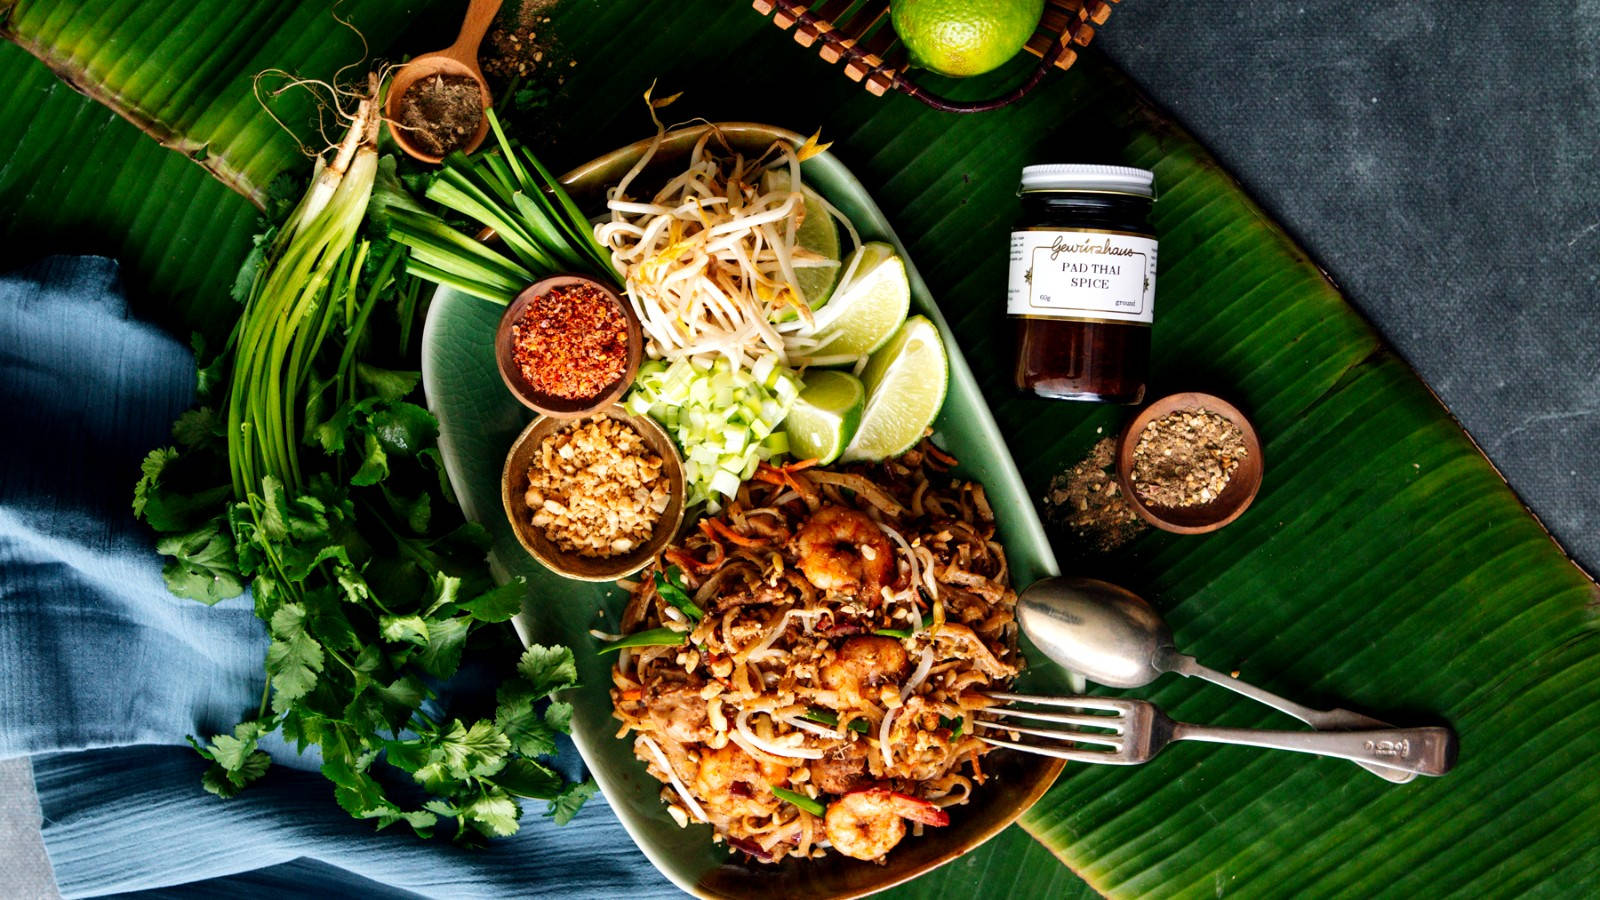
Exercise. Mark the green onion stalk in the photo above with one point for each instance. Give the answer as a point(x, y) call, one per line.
point(511, 193)
point(312, 263)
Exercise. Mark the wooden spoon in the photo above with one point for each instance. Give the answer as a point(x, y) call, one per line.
point(460, 58)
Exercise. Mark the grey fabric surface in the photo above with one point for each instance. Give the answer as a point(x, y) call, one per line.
point(24, 868)
point(1438, 159)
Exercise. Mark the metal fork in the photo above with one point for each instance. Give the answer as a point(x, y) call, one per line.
point(1134, 731)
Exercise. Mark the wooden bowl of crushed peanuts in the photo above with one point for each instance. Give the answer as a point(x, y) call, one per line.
point(593, 498)
point(1190, 463)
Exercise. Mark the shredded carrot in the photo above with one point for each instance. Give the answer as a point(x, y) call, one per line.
point(686, 561)
point(725, 531)
point(632, 694)
point(940, 455)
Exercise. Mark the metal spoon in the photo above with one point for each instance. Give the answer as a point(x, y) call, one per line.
point(1113, 637)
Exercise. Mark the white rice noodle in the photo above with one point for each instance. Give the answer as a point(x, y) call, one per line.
point(920, 675)
point(813, 727)
point(916, 573)
point(804, 615)
point(672, 775)
point(744, 735)
point(883, 740)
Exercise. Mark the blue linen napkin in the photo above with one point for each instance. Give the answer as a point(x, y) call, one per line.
point(103, 673)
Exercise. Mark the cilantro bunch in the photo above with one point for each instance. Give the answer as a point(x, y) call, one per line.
point(310, 474)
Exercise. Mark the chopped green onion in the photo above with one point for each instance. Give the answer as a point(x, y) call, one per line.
point(900, 633)
point(953, 724)
point(673, 591)
point(800, 800)
point(655, 637)
point(725, 421)
point(826, 717)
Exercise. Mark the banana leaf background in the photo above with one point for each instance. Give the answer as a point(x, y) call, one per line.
point(1385, 565)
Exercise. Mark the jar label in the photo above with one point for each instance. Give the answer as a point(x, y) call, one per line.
point(1100, 276)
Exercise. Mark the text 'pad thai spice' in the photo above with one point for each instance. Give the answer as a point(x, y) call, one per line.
point(597, 488)
point(813, 675)
point(571, 342)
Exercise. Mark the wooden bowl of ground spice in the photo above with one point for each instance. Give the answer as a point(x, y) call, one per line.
point(1190, 463)
point(568, 345)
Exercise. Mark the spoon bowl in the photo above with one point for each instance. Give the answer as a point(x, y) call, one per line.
point(1108, 634)
point(460, 58)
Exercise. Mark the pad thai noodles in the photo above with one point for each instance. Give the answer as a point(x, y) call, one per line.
point(819, 650)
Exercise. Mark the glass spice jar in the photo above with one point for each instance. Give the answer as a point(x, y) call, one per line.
point(1083, 282)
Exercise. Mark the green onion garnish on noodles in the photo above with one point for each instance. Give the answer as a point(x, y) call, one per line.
point(655, 637)
point(826, 717)
point(800, 800)
point(672, 589)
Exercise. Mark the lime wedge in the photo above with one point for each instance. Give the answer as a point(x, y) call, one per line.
point(825, 415)
point(818, 233)
point(905, 384)
point(863, 314)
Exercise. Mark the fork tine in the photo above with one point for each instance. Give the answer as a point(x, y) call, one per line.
point(1083, 756)
point(1105, 703)
point(1093, 721)
point(1075, 737)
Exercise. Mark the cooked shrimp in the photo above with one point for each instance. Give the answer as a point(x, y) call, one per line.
point(736, 783)
point(868, 823)
point(863, 663)
point(843, 550)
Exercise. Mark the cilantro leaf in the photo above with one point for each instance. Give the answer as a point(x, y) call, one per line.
point(404, 428)
point(569, 801)
point(294, 658)
point(494, 813)
point(548, 669)
point(387, 384)
point(515, 715)
point(204, 565)
point(497, 604)
point(404, 628)
point(374, 463)
point(197, 426)
point(527, 778)
point(169, 510)
point(476, 750)
point(442, 656)
point(558, 715)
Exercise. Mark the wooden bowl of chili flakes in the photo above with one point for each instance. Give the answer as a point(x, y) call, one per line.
point(568, 345)
point(594, 498)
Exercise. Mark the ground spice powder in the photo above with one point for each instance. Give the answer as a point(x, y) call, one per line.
point(571, 342)
point(1088, 501)
point(1186, 458)
point(441, 113)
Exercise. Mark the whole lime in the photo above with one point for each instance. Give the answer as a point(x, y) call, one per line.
point(964, 37)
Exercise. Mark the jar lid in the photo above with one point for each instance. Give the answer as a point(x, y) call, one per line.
point(1098, 179)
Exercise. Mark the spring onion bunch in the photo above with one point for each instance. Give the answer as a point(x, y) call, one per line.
point(511, 193)
point(319, 487)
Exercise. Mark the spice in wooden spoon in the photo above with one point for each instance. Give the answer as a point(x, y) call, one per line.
point(441, 113)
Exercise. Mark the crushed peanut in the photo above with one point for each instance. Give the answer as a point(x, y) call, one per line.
point(597, 489)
